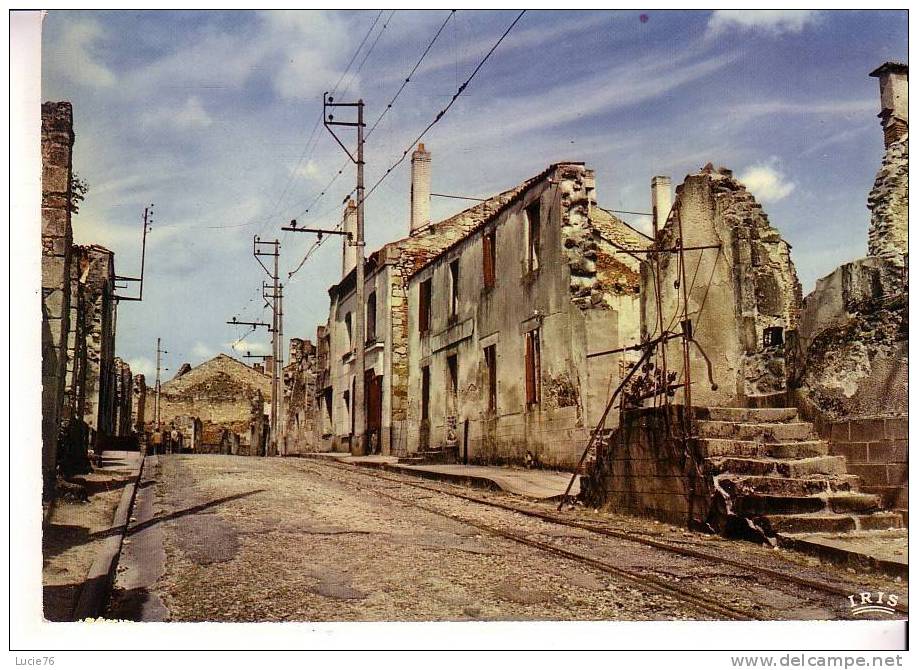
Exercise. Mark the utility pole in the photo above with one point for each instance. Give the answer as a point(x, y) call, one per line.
point(271, 329)
point(159, 352)
point(257, 250)
point(358, 405)
point(281, 414)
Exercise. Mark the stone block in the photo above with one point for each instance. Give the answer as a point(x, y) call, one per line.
point(888, 451)
point(840, 431)
point(54, 304)
point(897, 473)
point(55, 221)
point(55, 179)
point(867, 430)
point(896, 429)
point(854, 452)
point(871, 474)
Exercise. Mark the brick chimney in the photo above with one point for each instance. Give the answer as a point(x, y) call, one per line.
point(420, 188)
point(893, 100)
point(661, 195)
point(349, 253)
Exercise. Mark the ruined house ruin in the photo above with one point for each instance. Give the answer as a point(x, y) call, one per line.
point(227, 397)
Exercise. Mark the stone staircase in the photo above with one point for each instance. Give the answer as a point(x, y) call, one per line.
point(775, 474)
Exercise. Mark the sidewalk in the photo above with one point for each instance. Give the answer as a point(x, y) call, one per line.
point(81, 541)
point(884, 550)
point(534, 484)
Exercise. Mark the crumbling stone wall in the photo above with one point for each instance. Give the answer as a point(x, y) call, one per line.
point(138, 403)
point(98, 278)
point(300, 397)
point(224, 394)
point(888, 204)
point(56, 240)
point(744, 296)
point(123, 397)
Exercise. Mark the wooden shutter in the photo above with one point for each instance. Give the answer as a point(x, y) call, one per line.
point(488, 259)
point(424, 307)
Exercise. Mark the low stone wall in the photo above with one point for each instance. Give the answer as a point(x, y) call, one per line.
point(876, 450)
point(638, 471)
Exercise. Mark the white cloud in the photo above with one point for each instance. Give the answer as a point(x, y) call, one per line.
point(771, 21)
point(309, 171)
point(192, 115)
point(250, 347)
point(201, 350)
point(78, 49)
point(145, 367)
point(766, 182)
point(189, 116)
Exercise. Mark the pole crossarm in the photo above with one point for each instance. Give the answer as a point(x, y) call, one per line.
point(254, 324)
point(147, 226)
point(293, 228)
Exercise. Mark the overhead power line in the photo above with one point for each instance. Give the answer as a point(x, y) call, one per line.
point(382, 114)
point(312, 135)
point(443, 112)
point(430, 125)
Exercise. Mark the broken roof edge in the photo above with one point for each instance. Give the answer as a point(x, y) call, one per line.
point(520, 190)
point(890, 66)
point(350, 279)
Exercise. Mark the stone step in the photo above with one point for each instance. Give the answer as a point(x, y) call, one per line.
point(794, 486)
point(839, 503)
point(827, 522)
point(799, 467)
point(715, 446)
point(753, 414)
point(759, 432)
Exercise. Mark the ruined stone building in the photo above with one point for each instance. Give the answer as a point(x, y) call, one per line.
point(502, 324)
point(798, 419)
point(86, 398)
point(138, 403)
point(97, 288)
point(386, 285)
point(299, 435)
point(742, 291)
point(227, 397)
point(854, 325)
point(56, 240)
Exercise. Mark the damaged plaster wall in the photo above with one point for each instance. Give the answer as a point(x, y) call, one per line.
point(577, 298)
point(744, 297)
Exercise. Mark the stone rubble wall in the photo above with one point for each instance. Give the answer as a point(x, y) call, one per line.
point(736, 292)
point(57, 139)
point(300, 398)
point(138, 403)
point(221, 393)
point(888, 204)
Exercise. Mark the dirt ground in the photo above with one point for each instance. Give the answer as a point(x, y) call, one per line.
point(72, 538)
point(250, 539)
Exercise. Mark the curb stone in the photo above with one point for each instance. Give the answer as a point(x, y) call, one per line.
point(97, 586)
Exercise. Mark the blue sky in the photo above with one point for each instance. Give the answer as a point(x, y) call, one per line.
point(209, 114)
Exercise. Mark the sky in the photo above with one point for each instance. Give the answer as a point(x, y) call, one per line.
point(214, 117)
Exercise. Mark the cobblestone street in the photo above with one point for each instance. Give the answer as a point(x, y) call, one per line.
point(249, 539)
